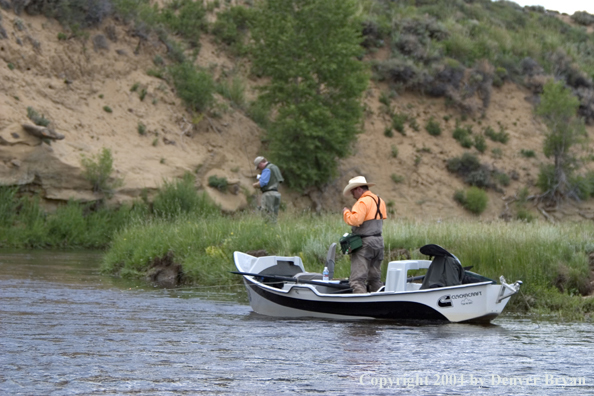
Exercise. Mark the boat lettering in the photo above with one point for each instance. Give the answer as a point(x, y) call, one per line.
point(466, 295)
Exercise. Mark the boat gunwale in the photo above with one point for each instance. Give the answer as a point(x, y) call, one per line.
point(360, 295)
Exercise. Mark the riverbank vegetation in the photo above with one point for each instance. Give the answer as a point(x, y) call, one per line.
point(551, 259)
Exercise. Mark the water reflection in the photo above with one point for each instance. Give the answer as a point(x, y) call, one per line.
point(66, 329)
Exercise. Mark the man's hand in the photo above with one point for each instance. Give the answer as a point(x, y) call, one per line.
point(345, 209)
point(256, 184)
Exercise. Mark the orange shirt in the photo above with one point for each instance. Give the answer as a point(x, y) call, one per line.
point(364, 209)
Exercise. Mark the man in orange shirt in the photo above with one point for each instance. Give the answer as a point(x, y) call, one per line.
point(366, 218)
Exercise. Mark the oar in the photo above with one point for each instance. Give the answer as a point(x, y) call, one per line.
point(291, 279)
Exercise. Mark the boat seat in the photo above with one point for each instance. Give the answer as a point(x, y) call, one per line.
point(396, 277)
point(308, 276)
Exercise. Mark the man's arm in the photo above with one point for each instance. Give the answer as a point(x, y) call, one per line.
point(356, 216)
point(265, 178)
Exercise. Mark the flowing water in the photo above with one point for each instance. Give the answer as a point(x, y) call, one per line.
point(66, 330)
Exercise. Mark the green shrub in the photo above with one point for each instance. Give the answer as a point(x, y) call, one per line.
point(502, 178)
point(134, 87)
point(107, 109)
point(259, 112)
point(220, 183)
point(36, 118)
point(179, 197)
point(98, 169)
point(480, 143)
point(501, 136)
point(463, 165)
point(234, 90)
point(497, 152)
point(388, 132)
point(195, 87)
point(433, 127)
point(546, 180)
point(8, 205)
point(141, 129)
point(231, 27)
point(186, 18)
point(62, 36)
point(527, 153)
point(394, 151)
point(398, 121)
point(397, 178)
point(476, 200)
point(462, 136)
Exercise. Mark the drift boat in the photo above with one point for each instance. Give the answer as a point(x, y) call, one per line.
point(280, 287)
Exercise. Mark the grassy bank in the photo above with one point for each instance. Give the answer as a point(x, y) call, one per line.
point(551, 260)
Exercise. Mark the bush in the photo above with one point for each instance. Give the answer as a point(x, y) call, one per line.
point(432, 127)
point(480, 143)
point(36, 118)
point(234, 90)
point(463, 165)
point(546, 180)
point(476, 200)
point(98, 169)
point(231, 27)
point(527, 153)
point(502, 178)
point(220, 183)
point(462, 136)
point(396, 178)
point(479, 178)
point(8, 205)
point(179, 197)
point(141, 128)
point(501, 136)
point(195, 87)
point(583, 18)
point(186, 18)
point(394, 151)
point(398, 121)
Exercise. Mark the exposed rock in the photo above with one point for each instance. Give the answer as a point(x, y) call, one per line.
point(165, 271)
point(42, 132)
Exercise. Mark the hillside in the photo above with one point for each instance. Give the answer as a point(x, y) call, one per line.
point(71, 80)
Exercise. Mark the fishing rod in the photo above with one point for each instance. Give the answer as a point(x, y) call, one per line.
point(295, 280)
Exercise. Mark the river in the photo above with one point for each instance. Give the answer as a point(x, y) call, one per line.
point(65, 329)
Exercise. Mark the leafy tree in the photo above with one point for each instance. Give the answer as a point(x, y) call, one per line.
point(309, 49)
point(558, 109)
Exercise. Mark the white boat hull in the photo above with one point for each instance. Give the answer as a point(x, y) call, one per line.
point(476, 302)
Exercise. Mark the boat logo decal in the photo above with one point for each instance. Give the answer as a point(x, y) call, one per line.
point(466, 301)
point(445, 301)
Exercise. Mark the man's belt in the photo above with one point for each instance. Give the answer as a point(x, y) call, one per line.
point(374, 235)
point(272, 189)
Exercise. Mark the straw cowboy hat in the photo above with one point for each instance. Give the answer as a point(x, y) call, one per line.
point(355, 182)
point(258, 160)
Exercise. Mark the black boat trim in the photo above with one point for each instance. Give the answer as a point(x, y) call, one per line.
point(373, 309)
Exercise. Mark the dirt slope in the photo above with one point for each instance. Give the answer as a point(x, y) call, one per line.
point(71, 81)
